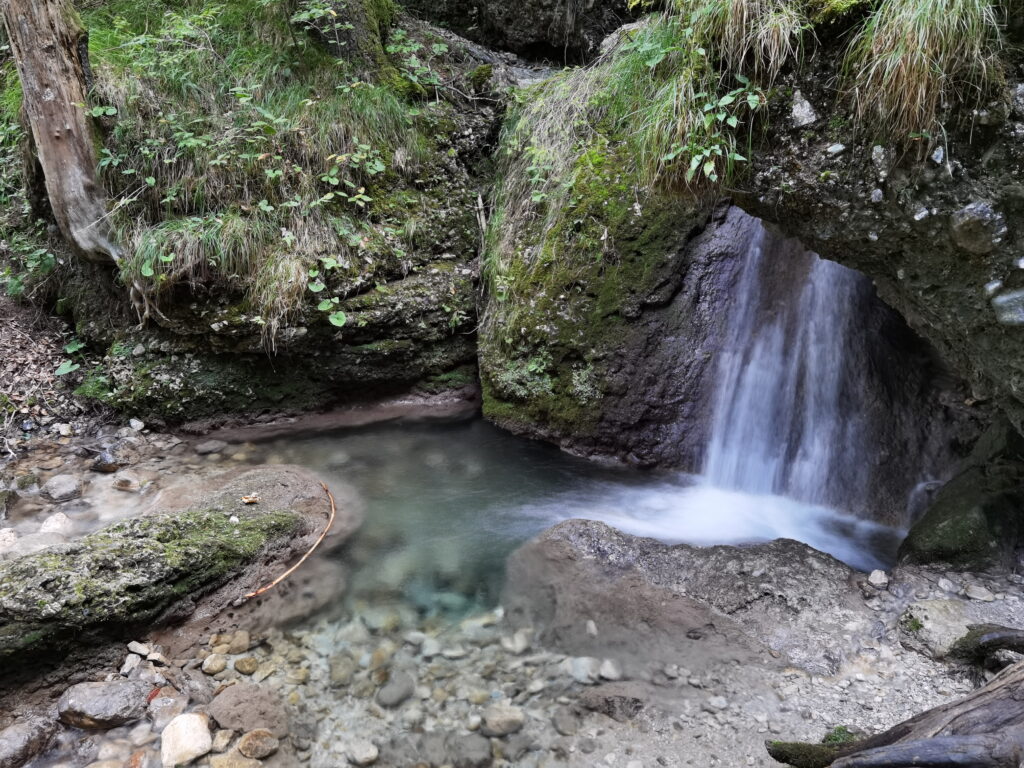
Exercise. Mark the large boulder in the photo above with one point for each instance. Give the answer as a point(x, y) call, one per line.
point(976, 520)
point(137, 573)
point(590, 589)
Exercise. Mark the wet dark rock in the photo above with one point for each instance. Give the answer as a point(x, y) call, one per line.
point(976, 520)
point(21, 742)
point(248, 707)
point(120, 454)
point(978, 227)
point(545, 29)
point(620, 701)
point(103, 705)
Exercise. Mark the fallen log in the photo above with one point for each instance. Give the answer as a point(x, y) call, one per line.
point(983, 730)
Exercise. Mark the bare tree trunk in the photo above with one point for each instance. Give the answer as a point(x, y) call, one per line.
point(51, 50)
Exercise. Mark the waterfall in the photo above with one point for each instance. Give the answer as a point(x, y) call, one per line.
point(787, 419)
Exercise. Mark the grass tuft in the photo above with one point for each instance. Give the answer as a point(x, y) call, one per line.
point(914, 58)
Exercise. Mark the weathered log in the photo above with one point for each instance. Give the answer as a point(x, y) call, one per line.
point(50, 48)
point(982, 730)
point(983, 640)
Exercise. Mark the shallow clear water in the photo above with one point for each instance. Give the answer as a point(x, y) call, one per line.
point(446, 503)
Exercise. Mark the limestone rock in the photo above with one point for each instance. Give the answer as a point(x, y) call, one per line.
point(247, 707)
point(802, 112)
point(62, 488)
point(184, 739)
point(233, 759)
point(878, 579)
point(210, 446)
point(978, 227)
point(258, 743)
point(399, 688)
point(502, 719)
point(361, 752)
point(932, 627)
point(103, 705)
point(23, 740)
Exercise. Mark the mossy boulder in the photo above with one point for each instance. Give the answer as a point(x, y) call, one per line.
point(137, 573)
point(976, 520)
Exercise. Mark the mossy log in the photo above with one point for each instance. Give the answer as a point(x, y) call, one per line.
point(983, 730)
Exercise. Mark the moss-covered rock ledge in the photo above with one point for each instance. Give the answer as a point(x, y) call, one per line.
point(144, 571)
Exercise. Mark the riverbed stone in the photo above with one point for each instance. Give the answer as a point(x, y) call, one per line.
point(361, 752)
point(247, 665)
point(502, 719)
point(62, 488)
point(399, 688)
point(23, 740)
point(103, 705)
point(207, 447)
point(258, 743)
point(978, 227)
point(214, 664)
point(247, 707)
point(185, 738)
point(233, 759)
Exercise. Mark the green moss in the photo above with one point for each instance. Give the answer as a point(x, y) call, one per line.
point(48, 599)
point(801, 755)
point(839, 735)
point(480, 77)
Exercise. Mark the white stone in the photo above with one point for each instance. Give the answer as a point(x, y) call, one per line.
point(836, 149)
point(62, 488)
point(877, 196)
point(430, 647)
point(131, 663)
point(583, 669)
point(878, 579)
point(184, 739)
point(8, 537)
point(802, 111)
point(939, 155)
point(140, 648)
point(361, 752)
point(57, 523)
point(978, 592)
point(137, 425)
point(519, 642)
point(610, 670)
point(502, 719)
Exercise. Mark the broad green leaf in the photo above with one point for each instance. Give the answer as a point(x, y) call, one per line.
point(66, 367)
point(337, 318)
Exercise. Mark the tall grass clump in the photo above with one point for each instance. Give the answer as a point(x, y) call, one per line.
point(652, 112)
point(238, 136)
point(912, 58)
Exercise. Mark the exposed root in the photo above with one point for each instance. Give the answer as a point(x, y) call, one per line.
point(290, 571)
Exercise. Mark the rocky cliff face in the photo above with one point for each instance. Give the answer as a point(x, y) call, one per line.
point(931, 220)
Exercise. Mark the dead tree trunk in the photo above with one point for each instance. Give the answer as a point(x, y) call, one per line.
point(983, 730)
point(50, 48)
